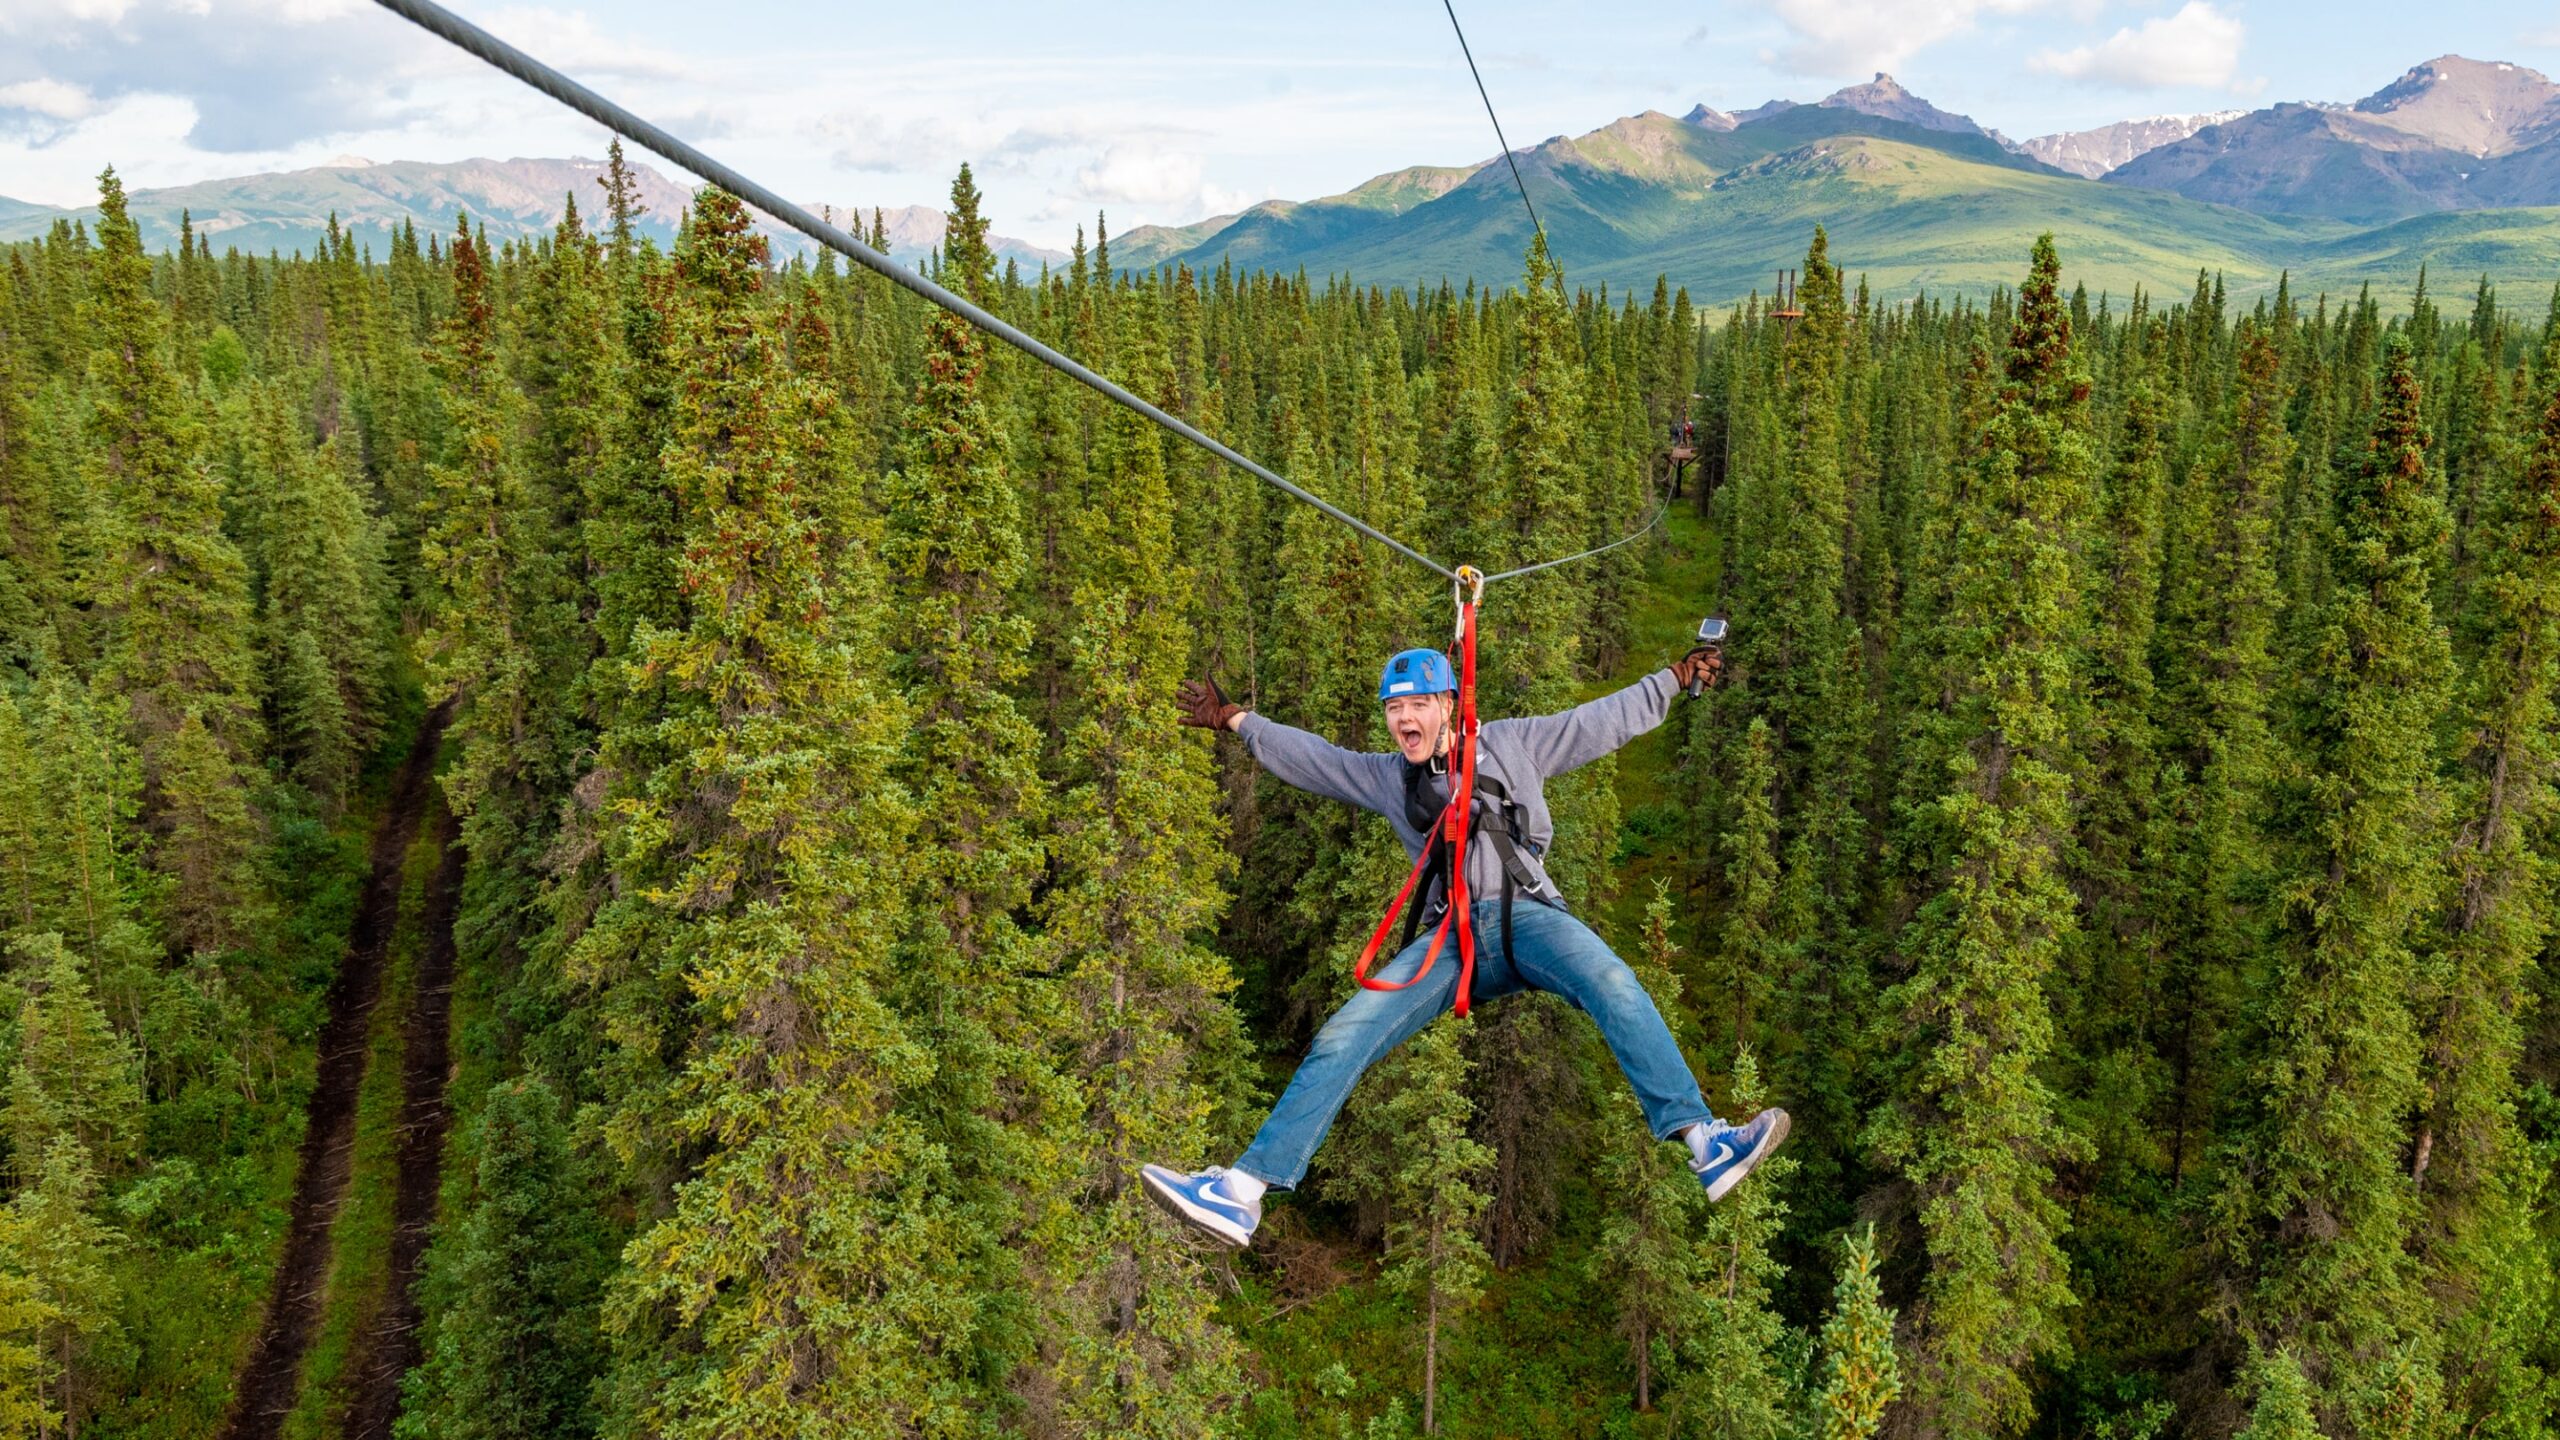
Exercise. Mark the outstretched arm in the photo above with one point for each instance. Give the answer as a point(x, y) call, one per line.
point(1320, 767)
point(1308, 761)
point(1576, 737)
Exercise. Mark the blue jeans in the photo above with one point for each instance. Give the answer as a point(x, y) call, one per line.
point(1556, 953)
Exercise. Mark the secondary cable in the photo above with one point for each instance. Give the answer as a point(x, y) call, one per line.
point(1451, 7)
point(1661, 504)
point(443, 23)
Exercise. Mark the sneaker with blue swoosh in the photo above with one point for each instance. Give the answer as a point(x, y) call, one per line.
point(1199, 1200)
point(1726, 1153)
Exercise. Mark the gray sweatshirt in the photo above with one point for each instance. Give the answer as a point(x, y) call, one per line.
point(1522, 754)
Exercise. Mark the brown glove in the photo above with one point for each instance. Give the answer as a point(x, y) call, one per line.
point(1205, 705)
point(1702, 665)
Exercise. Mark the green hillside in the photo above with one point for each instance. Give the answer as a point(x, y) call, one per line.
point(1914, 211)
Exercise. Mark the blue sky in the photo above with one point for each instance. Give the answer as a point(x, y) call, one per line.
point(1152, 111)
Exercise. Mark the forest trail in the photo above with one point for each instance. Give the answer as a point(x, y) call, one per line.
point(390, 1343)
point(268, 1382)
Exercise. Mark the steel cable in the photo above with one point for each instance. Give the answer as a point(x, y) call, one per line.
point(438, 21)
point(444, 24)
point(1507, 157)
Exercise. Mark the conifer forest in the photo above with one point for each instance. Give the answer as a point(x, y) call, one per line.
point(594, 842)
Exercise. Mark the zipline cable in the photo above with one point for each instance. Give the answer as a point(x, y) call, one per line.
point(1661, 504)
point(436, 20)
point(1507, 158)
point(443, 23)
point(1664, 502)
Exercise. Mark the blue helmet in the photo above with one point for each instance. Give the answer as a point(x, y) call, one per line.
point(1417, 672)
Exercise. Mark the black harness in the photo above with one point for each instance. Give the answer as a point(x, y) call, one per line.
point(1492, 800)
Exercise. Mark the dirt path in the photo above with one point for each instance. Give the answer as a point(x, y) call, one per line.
point(265, 1392)
point(390, 1342)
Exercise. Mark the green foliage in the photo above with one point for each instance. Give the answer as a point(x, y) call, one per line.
point(1142, 1015)
point(74, 1078)
point(1655, 1269)
point(1861, 1370)
point(321, 612)
point(1731, 1381)
point(2281, 1407)
point(1975, 1129)
point(2123, 840)
point(1434, 1196)
point(2339, 1064)
point(776, 711)
point(516, 1352)
point(168, 593)
point(54, 1256)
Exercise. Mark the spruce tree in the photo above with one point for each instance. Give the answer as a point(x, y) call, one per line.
point(1756, 951)
point(1135, 869)
point(1730, 1381)
point(2316, 1210)
point(35, 590)
point(1528, 666)
point(1974, 1129)
point(786, 1287)
point(205, 849)
point(73, 1076)
point(2477, 1177)
point(1861, 1371)
point(2122, 596)
point(496, 633)
point(53, 1239)
point(27, 1314)
point(168, 593)
point(1433, 1257)
point(322, 607)
point(515, 1350)
point(2220, 614)
point(954, 547)
point(954, 552)
point(1797, 661)
point(1653, 1265)
point(68, 797)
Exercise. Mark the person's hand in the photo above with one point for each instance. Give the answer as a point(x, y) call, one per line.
point(1704, 665)
point(1205, 705)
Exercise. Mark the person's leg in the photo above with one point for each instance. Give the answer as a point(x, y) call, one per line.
point(1558, 953)
point(1369, 1025)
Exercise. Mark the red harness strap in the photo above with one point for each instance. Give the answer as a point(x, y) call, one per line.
point(1450, 827)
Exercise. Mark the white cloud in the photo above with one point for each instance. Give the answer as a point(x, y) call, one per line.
point(1141, 175)
point(2197, 46)
point(21, 16)
point(866, 141)
point(52, 99)
point(570, 41)
point(2548, 37)
point(1855, 37)
point(51, 170)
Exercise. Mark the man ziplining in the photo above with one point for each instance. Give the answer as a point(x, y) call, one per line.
point(1541, 945)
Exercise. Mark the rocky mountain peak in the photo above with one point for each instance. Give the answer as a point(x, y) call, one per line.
point(2092, 153)
point(1707, 117)
point(1884, 98)
point(2479, 107)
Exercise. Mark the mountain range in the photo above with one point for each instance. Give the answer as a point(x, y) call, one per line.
point(511, 199)
point(2446, 166)
point(2449, 166)
point(2452, 134)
